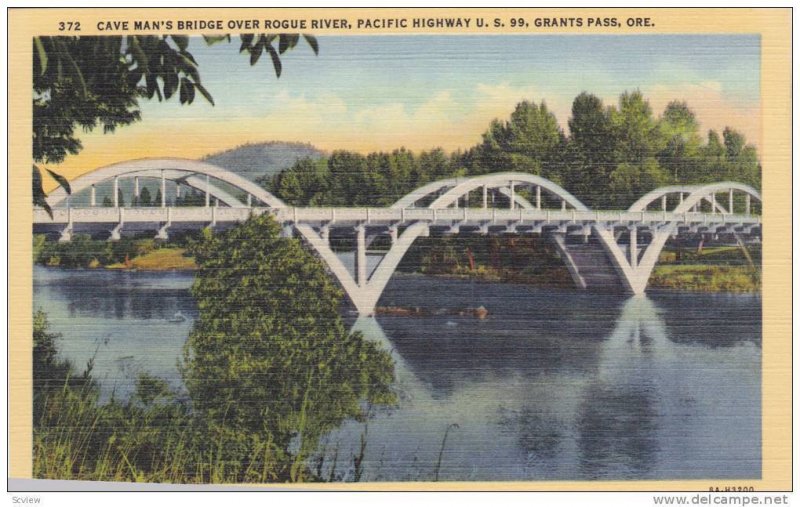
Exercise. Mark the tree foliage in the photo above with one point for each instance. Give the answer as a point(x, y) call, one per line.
point(89, 82)
point(97, 81)
point(530, 141)
point(269, 352)
point(612, 155)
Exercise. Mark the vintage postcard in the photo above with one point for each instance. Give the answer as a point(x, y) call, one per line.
point(400, 249)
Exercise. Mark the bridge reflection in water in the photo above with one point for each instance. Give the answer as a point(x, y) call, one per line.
point(545, 400)
point(617, 249)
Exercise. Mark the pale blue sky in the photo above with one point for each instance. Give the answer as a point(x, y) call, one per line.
point(383, 92)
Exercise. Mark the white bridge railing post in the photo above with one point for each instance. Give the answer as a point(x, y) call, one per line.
point(361, 256)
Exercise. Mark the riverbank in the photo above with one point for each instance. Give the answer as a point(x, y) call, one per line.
point(704, 278)
point(163, 259)
point(713, 269)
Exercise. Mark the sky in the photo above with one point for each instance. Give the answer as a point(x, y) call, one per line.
point(420, 92)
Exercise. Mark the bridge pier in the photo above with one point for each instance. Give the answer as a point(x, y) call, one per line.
point(360, 267)
point(65, 235)
point(162, 233)
point(116, 233)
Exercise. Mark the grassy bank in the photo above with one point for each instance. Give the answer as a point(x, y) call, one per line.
point(155, 436)
point(163, 259)
point(704, 278)
point(127, 253)
point(714, 269)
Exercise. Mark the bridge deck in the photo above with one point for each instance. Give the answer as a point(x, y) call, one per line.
point(385, 216)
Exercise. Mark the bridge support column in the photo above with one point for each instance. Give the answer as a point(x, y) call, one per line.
point(116, 232)
point(116, 192)
point(513, 198)
point(66, 233)
point(538, 197)
point(162, 232)
point(634, 247)
point(572, 267)
point(136, 189)
point(163, 190)
point(747, 204)
point(94, 197)
point(361, 256)
point(485, 197)
point(393, 234)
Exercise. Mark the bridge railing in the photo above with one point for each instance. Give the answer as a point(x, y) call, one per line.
point(383, 216)
point(474, 215)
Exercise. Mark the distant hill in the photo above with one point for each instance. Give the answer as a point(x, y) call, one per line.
point(259, 159)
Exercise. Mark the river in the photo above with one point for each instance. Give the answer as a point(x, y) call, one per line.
point(553, 385)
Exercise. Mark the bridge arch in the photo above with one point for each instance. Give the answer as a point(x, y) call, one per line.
point(636, 267)
point(174, 169)
point(366, 293)
point(690, 195)
point(505, 181)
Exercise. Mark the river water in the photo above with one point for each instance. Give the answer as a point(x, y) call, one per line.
point(553, 385)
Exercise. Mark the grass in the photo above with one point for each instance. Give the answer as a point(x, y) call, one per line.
point(720, 255)
point(706, 278)
point(153, 437)
point(159, 260)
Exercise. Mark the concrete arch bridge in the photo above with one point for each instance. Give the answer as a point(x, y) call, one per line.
point(602, 249)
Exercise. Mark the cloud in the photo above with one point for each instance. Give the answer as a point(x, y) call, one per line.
point(446, 119)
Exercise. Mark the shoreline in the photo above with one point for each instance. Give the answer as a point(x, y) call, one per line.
point(676, 287)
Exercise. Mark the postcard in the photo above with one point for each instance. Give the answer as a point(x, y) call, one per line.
point(400, 249)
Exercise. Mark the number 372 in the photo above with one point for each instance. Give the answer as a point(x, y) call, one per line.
point(69, 26)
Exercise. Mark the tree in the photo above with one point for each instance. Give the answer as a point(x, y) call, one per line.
point(432, 165)
point(94, 81)
point(530, 141)
point(347, 179)
point(144, 197)
point(269, 354)
point(679, 127)
point(630, 181)
point(590, 156)
point(734, 143)
point(635, 129)
point(299, 184)
point(741, 159)
point(89, 81)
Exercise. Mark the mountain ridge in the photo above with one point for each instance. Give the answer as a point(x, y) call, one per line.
point(256, 160)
